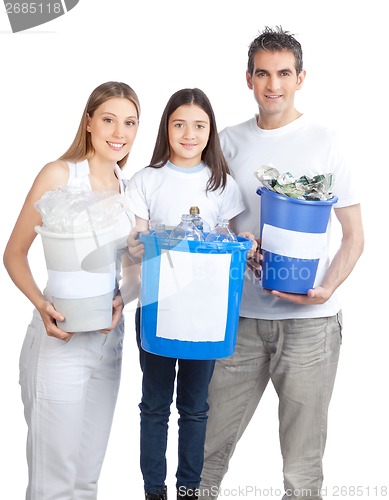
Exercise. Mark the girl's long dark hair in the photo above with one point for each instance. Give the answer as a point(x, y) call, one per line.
point(212, 155)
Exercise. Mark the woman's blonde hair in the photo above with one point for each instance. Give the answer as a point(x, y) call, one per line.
point(81, 147)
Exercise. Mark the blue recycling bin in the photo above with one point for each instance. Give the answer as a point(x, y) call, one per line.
point(293, 239)
point(190, 296)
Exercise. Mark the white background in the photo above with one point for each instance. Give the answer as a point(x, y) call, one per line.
point(158, 47)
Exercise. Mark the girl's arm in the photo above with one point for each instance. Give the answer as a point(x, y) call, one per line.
point(16, 252)
point(254, 256)
point(131, 280)
point(135, 247)
point(246, 234)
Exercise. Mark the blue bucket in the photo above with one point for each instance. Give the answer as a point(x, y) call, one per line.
point(293, 239)
point(190, 296)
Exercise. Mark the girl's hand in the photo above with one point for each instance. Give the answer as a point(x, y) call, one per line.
point(49, 317)
point(250, 236)
point(254, 256)
point(135, 247)
point(117, 309)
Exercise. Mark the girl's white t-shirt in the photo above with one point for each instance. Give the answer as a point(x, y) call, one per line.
point(161, 195)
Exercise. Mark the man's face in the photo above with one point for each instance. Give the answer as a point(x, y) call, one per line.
point(274, 82)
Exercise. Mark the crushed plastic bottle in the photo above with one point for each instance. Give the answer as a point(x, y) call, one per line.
point(186, 230)
point(221, 233)
point(159, 230)
point(319, 187)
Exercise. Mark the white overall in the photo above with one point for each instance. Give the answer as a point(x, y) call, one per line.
point(69, 391)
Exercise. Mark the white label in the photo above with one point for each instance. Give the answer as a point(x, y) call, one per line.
point(293, 243)
point(80, 284)
point(193, 296)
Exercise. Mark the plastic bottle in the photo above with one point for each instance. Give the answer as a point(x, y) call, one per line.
point(160, 231)
point(186, 230)
point(221, 233)
point(198, 221)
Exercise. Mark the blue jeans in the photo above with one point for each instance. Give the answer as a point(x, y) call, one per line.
point(300, 357)
point(159, 374)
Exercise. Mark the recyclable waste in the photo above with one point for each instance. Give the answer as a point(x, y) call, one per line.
point(186, 230)
point(221, 232)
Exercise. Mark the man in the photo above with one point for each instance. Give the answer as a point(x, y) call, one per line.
point(291, 339)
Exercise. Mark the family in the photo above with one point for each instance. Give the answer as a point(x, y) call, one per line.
point(70, 380)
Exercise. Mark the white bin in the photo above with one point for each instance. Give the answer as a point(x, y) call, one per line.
point(81, 276)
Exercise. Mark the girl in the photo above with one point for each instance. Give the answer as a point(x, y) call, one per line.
point(187, 169)
point(70, 380)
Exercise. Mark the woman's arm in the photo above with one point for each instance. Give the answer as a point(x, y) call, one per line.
point(16, 252)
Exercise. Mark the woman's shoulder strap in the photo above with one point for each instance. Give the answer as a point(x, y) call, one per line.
point(78, 172)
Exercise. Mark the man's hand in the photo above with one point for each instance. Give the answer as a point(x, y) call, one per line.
point(314, 296)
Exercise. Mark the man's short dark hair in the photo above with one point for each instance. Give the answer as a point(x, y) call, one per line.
point(274, 40)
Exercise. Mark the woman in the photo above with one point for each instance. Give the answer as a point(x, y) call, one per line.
point(70, 380)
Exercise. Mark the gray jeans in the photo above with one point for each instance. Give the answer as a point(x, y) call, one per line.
point(300, 357)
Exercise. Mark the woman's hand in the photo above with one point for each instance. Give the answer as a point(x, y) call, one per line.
point(49, 317)
point(117, 309)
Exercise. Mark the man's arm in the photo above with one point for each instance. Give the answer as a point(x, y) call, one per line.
point(342, 264)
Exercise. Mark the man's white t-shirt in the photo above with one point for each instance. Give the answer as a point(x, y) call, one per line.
point(303, 147)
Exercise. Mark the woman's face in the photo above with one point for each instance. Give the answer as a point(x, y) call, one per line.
point(113, 129)
point(188, 130)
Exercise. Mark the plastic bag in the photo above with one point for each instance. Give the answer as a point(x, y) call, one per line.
point(69, 209)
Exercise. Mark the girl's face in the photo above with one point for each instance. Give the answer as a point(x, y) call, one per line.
point(188, 131)
point(113, 128)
